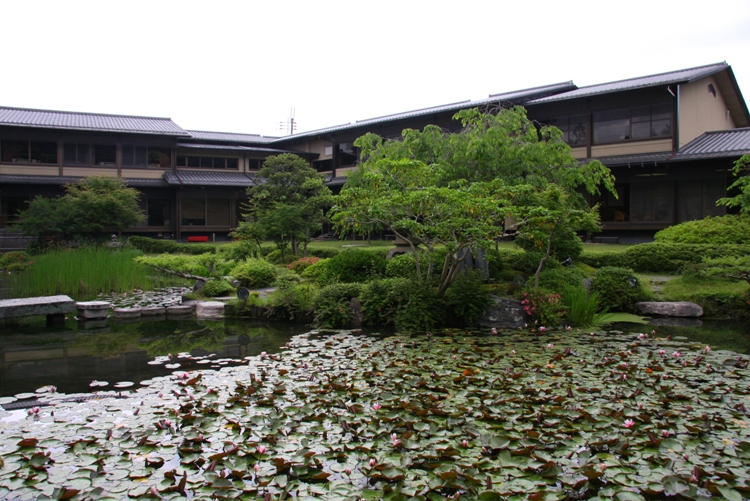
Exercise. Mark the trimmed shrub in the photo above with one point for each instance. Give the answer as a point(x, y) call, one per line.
point(215, 288)
point(729, 229)
point(155, 246)
point(302, 263)
point(286, 278)
point(292, 303)
point(402, 266)
point(381, 300)
point(355, 266)
point(618, 288)
point(240, 251)
point(419, 309)
point(465, 300)
point(275, 257)
point(315, 271)
point(14, 261)
point(331, 305)
point(607, 258)
point(561, 280)
point(322, 253)
point(255, 273)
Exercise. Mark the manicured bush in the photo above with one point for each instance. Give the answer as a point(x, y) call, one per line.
point(332, 305)
point(606, 258)
point(618, 288)
point(302, 263)
point(286, 278)
point(322, 253)
point(729, 229)
point(14, 261)
point(292, 303)
point(215, 288)
point(402, 266)
point(561, 280)
point(381, 300)
point(355, 266)
point(317, 270)
point(420, 309)
point(240, 250)
point(255, 273)
point(465, 300)
point(157, 246)
point(723, 305)
point(275, 257)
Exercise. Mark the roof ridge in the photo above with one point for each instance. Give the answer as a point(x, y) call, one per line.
point(233, 133)
point(723, 64)
point(569, 82)
point(82, 113)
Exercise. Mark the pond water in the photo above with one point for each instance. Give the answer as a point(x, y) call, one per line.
point(71, 357)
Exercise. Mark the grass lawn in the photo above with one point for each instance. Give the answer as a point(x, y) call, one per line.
point(684, 287)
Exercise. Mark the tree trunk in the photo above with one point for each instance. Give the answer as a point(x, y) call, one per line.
point(543, 260)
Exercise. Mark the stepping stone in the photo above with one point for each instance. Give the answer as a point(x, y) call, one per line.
point(153, 311)
point(93, 309)
point(209, 309)
point(134, 312)
point(180, 309)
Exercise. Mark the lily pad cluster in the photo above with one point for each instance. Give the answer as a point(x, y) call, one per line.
point(521, 415)
point(168, 296)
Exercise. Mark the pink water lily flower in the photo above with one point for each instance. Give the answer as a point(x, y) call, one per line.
point(376, 406)
point(629, 423)
point(262, 449)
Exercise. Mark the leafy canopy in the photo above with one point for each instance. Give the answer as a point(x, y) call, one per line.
point(464, 190)
point(742, 186)
point(89, 207)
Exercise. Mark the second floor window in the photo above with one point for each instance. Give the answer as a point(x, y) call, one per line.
point(628, 124)
point(35, 152)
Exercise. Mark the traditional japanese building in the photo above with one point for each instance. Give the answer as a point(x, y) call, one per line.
point(670, 140)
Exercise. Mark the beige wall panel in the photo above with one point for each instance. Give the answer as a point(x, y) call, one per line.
point(633, 148)
point(578, 152)
point(700, 111)
point(319, 147)
point(29, 170)
point(89, 171)
point(143, 173)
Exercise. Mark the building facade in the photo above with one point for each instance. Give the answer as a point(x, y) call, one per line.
point(670, 140)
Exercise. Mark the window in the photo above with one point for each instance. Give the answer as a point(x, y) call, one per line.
point(208, 162)
point(642, 122)
point(574, 128)
point(651, 202)
point(105, 154)
point(193, 212)
point(76, 153)
point(217, 211)
point(206, 211)
point(160, 157)
point(35, 152)
point(134, 156)
point(159, 212)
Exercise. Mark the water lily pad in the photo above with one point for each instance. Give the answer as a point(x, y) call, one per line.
point(123, 384)
point(24, 396)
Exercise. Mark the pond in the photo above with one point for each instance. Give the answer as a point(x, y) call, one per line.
point(71, 357)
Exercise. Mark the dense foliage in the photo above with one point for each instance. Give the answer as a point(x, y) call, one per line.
point(332, 304)
point(89, 207)
point(729, 229)
point(160, 246)
point(255, 273)
point(740, 188)
point(618, 288)
point(354, 265)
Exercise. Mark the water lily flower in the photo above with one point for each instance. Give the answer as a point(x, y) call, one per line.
point(676, 354)
point(256, 467)
point(653, 332)
point(568, 328)
point(454, 357)
point(629, 423)
point(348, 471)
point(34, 411)
point(263, 354)
point(550, 346)
point(707, 349)
point(665, 433)
point(376, 406)
point(262, 449)
point(373, 462)
point(662, 352)
point(513, 352)
point(494, 331)
point(464, 443)
point(542, 328)
point(642, 336)
point(640, 405)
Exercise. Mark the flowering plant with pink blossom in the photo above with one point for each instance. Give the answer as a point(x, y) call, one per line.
point(544, 307)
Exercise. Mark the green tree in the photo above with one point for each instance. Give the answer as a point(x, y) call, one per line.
point(287, 205)
point(88, 208)
point(467, 189)
point(741, 185)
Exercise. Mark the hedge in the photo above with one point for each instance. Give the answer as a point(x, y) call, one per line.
point(156, 246)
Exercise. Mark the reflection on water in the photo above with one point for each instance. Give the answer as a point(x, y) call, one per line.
point(70, 357)
point(721, 335)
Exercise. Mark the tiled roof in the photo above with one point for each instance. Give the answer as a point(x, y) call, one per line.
point(515, 97)
point(21, 117)
point(644, 159)
point(230, 137)
point(230, 147)
point(195, 178)
point(717, 144)
point(59, 180)
point(672, 77)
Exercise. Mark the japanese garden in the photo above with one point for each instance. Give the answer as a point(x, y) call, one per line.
point(450, 333)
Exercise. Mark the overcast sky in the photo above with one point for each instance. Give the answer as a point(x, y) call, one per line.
point(240, 66)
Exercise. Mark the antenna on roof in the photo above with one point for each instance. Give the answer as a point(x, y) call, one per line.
point(289, 123)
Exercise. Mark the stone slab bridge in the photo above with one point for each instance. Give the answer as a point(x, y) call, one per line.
point(54, 307)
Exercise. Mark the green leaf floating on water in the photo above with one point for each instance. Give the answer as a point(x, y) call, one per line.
point(342, 416)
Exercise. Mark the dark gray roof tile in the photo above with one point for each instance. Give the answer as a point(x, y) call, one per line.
point(21, 117)
point(196, 178)
point(672, 77)
point(717, 144)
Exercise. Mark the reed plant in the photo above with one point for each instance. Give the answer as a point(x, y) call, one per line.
point(584, 309)
point(82, 273)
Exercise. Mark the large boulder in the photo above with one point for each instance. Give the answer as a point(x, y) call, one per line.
point(503, 313)
point(670, 309)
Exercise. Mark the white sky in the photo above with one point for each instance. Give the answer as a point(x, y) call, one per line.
point(239, 66)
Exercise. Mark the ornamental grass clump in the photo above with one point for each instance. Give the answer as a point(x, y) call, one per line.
point(584, 309)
